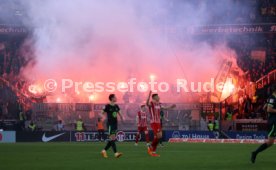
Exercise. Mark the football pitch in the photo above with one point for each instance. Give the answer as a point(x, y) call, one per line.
point(177, 156)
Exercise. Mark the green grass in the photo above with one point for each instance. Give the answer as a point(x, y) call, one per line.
point(85, 156)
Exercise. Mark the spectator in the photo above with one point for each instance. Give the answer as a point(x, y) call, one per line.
point(216, 128)
point(32, 127)
point(22, 119)
point(100, 128)
point(79, 125)
point(229, 114)
point(60, 126)
point(247, 106)
point(210, 126)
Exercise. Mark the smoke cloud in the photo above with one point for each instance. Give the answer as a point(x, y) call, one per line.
point(114, 40)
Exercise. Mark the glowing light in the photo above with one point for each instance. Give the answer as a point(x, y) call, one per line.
point(228, 88)
point(32, 89)
point(231, 88)
point(58, 100)
point(152, 77)
point(35, 89)
point(91, 97)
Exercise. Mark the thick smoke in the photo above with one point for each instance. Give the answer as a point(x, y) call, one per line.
point(114, 40)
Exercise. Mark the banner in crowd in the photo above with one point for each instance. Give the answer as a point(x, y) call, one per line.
point(208, 29)
point(83, 107)
point(258, 54)
point(240, 126)
point(234, 29)
point(8, 125)
point(220, 29)
point(11, 29)
point(7, 137)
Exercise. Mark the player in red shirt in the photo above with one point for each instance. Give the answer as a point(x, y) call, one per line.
point(142, 124)
point(155, 117)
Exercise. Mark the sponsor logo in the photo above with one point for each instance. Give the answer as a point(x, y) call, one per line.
point(86, 136)
point(253, 136)
point(47, 139)
point(176, 134)
point(196, 136)
point(125, 136)
point(121, 136)
point(188, 134)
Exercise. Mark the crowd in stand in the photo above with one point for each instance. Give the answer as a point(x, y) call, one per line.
point(234, 11)
point(255, 68)
point(250, 102)
point(11, 59)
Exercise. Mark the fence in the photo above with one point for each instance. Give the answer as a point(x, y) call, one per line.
point(46, 115)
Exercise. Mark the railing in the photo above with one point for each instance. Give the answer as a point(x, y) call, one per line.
point(24, 99)
point(186, 115)
point(261, 83)
point(266, 80)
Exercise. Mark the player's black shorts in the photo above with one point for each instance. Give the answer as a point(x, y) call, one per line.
point(272, 126)
point(112, 129)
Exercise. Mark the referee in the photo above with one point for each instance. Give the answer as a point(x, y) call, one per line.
point(112, 110)
point(271, 110)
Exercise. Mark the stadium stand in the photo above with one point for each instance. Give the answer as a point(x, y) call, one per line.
point(256, 56)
